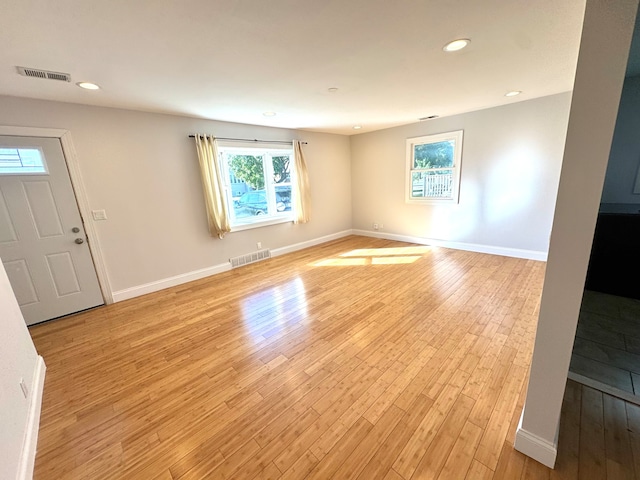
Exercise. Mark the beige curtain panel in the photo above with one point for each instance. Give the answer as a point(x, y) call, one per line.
point(301, 194)
point(212, 185)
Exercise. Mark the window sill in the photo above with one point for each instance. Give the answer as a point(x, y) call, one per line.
point(272, 221)
point(432, 201)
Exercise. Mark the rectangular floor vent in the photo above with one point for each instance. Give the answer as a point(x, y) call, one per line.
point(250, 258)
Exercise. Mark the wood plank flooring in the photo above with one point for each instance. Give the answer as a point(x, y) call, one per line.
point(607, 343)
point(360, 358)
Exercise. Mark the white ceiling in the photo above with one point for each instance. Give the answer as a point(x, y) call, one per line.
point(233, 60)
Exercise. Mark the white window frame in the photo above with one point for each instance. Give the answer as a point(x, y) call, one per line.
point(267, 152)
point(456, 136)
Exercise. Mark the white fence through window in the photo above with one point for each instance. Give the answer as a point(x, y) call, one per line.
point(439, 185)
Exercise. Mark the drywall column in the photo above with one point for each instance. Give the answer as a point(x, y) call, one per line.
point(19, 412)
point(606, 36)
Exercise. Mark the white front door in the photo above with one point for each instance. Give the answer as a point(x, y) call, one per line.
point(42, 241)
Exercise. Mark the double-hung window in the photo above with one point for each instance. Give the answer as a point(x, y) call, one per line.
point(433, 168)
point(257, 184)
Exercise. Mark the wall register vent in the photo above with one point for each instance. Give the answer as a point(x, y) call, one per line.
point(46, 74)
point(250, 258)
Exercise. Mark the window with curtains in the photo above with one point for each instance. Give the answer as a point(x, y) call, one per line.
point(257, 183)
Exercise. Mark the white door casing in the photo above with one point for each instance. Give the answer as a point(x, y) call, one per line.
point(50, 273)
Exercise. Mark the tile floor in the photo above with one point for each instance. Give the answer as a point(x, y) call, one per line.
point(607, 345)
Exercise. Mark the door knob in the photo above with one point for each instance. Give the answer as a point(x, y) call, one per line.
point(75, 229)
point(79, 241)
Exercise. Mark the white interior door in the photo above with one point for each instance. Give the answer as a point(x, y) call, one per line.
point(42, 241)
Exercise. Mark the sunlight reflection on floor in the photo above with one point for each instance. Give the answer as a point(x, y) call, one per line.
point(394, 260)
point(285, 303)
point(384, 252)
point(376, 256)
point(341, 262)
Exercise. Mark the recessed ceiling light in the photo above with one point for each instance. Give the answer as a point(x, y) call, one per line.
point(456, 45)
point(357, 127)
point(88, 85)
point(512, 93)
point(332, 90)
point(269, 114)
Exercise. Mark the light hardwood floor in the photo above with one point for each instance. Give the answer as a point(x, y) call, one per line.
point(360, 358)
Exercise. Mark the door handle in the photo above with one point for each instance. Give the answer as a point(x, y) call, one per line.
point(75, 229)
point(79, 241)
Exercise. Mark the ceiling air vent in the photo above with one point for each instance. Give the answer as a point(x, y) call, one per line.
point(46, 74)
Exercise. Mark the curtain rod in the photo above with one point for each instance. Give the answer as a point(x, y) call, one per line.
point(251, 140)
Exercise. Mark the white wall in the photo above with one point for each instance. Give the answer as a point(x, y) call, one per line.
point(600, 73)
point(511, 160)
point(18, 360)
point(624, 160)
point(142, 169)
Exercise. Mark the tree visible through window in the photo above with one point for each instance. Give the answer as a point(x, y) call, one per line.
point(248, 169)
point(433, 168)
point(258, 184)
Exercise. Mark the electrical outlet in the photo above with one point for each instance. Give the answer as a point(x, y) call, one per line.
point(375, 226)
point(259, 245)
point(24, 388)
point(380, 226)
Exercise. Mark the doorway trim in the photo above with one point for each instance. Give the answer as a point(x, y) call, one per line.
point(73, 166)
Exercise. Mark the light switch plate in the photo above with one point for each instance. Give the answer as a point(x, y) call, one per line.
point(99, 214)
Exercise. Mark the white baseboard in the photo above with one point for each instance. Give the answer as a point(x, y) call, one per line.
point(533, 446)
point(309, 243)
point(471, 247)
point(28, 454)
point(151, 287)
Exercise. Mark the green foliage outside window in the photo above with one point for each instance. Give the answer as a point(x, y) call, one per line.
point(281, 169)
point(250, 169)
point(433, 155)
